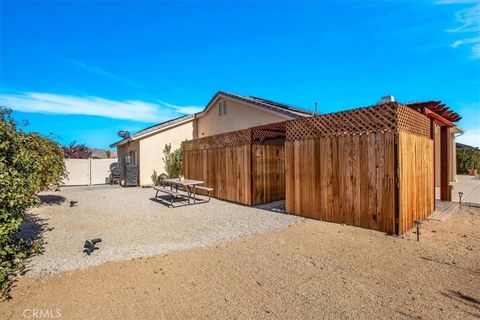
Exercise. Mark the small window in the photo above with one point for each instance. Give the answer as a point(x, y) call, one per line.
point(222, 108)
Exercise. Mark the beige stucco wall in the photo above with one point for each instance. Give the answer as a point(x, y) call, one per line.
point(151, 149)
point(239, 116)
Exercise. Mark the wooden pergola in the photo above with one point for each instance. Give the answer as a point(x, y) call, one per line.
point(370, 167)
point(442, 116)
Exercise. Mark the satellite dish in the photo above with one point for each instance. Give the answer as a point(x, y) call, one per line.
point(123, 134)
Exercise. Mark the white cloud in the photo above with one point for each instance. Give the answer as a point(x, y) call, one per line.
point(134, 110)
point(92, 69)
point(471, 138)
point(102, 72)
point(469, 22)
point(465, 41)
point(182, 109)
point(468, 19)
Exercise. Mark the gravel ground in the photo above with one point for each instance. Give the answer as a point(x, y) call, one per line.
point(131, 225)
point(312, 270)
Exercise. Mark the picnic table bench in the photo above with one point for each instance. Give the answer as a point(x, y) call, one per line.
point(207, 189)
point(189, 185)
point(173, 194)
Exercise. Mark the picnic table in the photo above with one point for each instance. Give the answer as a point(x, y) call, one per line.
point(188, 184)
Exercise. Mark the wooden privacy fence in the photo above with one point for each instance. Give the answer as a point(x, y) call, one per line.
point(226, 170)
point(344, 179)
point(240, 166)
point(368, 167)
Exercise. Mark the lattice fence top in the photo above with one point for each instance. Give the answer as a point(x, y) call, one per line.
point(238, 138)
point(413, 121)
point(379, 118)
point(229, 139)
point(385, 117)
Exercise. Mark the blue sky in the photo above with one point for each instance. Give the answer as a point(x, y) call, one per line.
point(84, 70)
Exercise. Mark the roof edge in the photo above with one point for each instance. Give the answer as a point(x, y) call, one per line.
point(153, 129)
point(285, 110)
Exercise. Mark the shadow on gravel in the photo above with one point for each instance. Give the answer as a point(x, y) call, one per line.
point(466, 299)
point(32, 231)
point(30, 238)
point(179, 202)
point(51, 199)
point(449, 264)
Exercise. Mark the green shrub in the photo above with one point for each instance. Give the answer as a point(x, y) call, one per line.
point(468, 159)
point(173, 161)
point(29, 163)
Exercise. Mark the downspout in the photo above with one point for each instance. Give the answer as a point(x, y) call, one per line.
point(454, 152)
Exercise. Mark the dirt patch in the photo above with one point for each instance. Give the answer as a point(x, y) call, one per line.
point(311, 270)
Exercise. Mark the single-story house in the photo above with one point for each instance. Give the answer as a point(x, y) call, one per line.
point(142, 152)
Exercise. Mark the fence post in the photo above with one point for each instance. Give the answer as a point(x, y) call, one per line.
point(89, 171)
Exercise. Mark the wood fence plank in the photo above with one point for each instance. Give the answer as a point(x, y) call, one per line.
point(372, 181)
point(364, 189)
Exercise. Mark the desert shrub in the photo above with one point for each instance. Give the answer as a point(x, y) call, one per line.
point(468, 159)
point(173, 161)
point(29, 163)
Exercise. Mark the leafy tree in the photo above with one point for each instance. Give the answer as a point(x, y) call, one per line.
point(29, 163)
point(173, 161)
point(77, 151)
point(468, 159)
point(108, 153)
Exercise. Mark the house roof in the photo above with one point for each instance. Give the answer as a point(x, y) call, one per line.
point(283, 109)
point(152, 129)
point(102, 154)
point(98, 154)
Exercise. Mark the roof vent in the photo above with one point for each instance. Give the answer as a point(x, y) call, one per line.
point(387, 99)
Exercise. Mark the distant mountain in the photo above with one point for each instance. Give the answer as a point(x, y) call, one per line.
point(461, 146)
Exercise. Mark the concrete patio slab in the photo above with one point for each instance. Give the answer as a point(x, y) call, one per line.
point(443, 210)
point(470, 186)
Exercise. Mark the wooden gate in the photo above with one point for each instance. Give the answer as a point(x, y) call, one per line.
point(268, 173)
